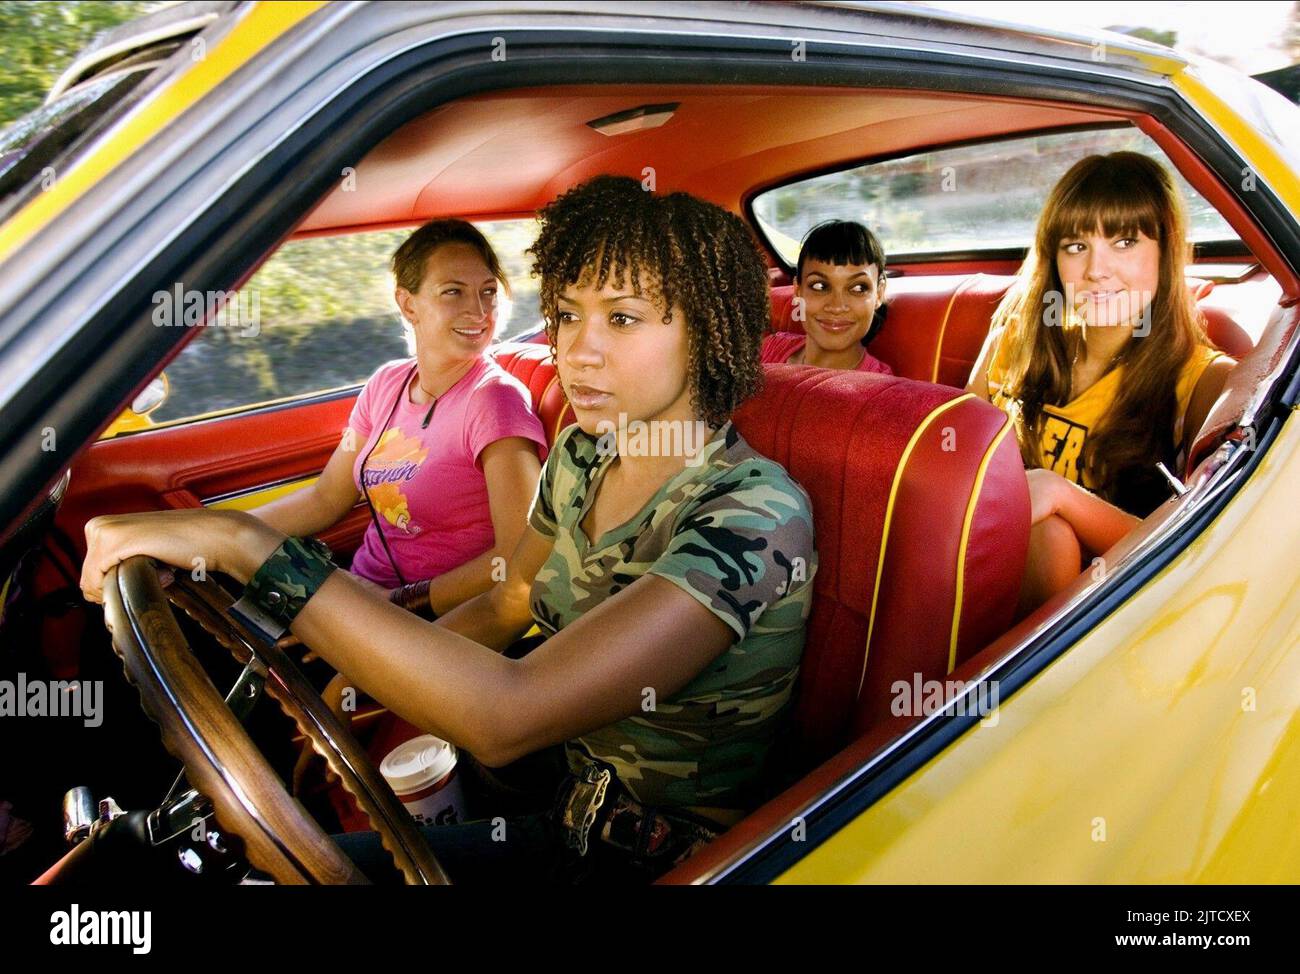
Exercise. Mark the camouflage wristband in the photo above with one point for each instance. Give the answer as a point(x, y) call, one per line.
point(281, 587)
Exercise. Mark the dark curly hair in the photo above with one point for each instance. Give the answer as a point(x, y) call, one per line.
point(676, 248)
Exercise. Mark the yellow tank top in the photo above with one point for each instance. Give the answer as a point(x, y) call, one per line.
point(1064, 429)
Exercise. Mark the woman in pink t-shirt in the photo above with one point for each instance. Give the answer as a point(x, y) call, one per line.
point(840, 288)
point(443, 446)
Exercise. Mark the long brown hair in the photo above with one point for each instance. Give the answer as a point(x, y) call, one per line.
point(1120, 193)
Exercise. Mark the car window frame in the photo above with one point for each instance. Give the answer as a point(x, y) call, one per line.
point(165, 54)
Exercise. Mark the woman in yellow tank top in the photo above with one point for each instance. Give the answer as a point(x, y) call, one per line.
point(1099, 356)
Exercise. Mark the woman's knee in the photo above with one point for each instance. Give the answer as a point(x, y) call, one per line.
point(1053, 541)
point(1055, 560)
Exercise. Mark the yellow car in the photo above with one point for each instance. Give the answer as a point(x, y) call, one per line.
point(1141, 727)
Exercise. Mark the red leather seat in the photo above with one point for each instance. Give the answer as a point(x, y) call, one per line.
point(531, 364)
point(937, 323)
point(921, 512)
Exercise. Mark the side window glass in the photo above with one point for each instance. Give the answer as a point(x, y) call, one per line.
point(522, 314)
point(317, 316)
point(961, 200)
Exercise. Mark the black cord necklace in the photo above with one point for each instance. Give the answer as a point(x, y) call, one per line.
point(365, 488)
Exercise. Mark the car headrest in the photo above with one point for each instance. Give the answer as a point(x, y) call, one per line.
point(937, 323)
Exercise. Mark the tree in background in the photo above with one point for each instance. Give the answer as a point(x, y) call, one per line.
point(1168, 38)
point(38, 41)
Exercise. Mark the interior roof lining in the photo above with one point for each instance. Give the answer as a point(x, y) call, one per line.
point(541, 145)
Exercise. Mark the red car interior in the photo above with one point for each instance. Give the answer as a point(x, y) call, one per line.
point(919, 496)
point(921, 549)
point(934, 331)
point(520, 148)
point(917, 585)
point(937, 324)
point(921, 546)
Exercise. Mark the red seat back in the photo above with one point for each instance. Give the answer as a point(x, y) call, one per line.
point(937, 324)
point(921, 513)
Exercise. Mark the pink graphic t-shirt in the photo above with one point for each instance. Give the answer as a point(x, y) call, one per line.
point(427, 485)
point(779, 346)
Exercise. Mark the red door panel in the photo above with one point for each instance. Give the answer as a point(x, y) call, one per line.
point(183, 466)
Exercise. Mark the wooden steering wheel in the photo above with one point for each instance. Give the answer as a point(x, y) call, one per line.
point(222, 764)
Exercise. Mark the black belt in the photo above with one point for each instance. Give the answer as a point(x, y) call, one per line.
point(594, 803)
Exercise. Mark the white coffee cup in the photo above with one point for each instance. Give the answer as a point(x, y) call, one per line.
point(422, 773)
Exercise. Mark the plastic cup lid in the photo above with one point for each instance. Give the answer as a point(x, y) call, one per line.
point(418, 763)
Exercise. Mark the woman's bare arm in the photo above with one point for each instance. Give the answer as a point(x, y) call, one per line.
point(511, 468)
point(502, 614)
point(979, 375)
point(593, 672)
point(651, 635)
point(320, 505)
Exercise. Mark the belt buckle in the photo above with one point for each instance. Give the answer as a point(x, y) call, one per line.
point(585, 798)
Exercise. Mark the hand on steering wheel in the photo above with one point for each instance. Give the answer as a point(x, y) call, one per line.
point(221, 761)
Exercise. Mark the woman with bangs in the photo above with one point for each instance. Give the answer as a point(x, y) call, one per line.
point(673, 586)
point(1099, 355)
point(840, 280)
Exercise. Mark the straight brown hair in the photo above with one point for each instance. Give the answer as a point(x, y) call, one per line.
point(1116, 194)
point(412, 257)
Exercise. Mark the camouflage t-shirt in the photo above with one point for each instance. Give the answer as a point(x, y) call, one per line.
point(734, 531)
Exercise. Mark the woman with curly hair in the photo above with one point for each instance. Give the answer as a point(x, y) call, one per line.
point(1100, 357)
point(673, 584)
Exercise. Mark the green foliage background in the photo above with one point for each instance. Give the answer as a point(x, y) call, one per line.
point(39, 40)
point(327, 316)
